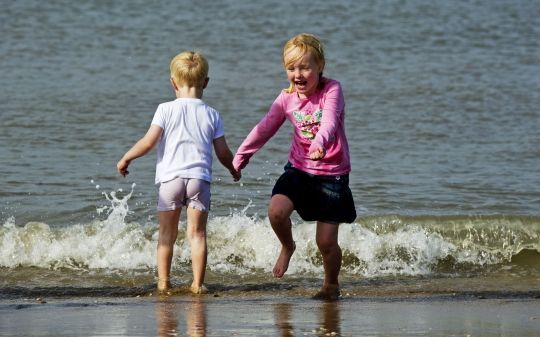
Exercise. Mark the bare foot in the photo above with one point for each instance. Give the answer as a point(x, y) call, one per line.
point(328, 293)
point(163, 284)
point(282, 263)
point(198, 290)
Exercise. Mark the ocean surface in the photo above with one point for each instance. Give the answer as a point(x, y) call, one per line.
point(442, 117)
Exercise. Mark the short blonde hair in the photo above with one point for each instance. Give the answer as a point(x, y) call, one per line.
point(189, 68)
point(300, 45)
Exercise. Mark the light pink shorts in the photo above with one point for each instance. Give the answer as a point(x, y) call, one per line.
point(179, 192)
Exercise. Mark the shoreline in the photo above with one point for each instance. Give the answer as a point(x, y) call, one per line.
point(270, 315)
point(486, 287)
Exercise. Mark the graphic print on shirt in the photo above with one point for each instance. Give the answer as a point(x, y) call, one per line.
point(308, 123)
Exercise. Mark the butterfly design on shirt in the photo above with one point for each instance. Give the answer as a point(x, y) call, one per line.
point(308, 123)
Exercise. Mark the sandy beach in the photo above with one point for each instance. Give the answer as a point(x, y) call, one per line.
point(271, 315)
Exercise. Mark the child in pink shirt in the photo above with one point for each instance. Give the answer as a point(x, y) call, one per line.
point(315, 182)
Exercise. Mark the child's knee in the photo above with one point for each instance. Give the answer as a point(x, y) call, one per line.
point(280, 209)
point(277, 214)
point(166, 240)
point(327, 245)
point(196, 233)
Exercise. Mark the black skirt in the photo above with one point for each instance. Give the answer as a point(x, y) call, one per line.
point(317, 198)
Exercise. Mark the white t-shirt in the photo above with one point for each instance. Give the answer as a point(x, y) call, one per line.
point(185, 148)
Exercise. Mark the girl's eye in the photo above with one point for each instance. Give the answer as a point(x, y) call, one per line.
point(299, 68)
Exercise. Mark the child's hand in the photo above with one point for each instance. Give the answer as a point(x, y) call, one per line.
point(236, 174)
point(122, 166)
point(318, 154)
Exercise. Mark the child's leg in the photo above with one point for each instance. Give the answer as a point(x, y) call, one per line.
point(279, 212)
point(168, 231)
point(327, 241)
point(196, 234)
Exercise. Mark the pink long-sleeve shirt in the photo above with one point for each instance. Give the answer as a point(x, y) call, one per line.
point(318, 121)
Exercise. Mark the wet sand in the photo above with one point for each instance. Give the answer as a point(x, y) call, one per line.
point(278, 314)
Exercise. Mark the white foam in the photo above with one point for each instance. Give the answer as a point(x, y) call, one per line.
point(408, 251)
point(237, 243)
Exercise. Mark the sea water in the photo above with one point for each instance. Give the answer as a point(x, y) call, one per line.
point(441, 115)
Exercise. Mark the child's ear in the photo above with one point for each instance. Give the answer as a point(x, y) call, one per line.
point(173, 84)
point(206, 80)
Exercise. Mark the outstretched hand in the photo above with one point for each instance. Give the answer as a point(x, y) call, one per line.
point(318, 154)
point(122, 166)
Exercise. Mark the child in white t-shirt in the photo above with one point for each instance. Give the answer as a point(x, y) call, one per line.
point(185, 131)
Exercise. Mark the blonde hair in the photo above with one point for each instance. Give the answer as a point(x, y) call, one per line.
point(300, 45)
point(189, 68)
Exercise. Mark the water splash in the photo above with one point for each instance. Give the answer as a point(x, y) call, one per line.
point(119, 208)
point(246, 245)
point(110, 244)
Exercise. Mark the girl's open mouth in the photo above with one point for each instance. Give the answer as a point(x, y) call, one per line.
point(300, 83)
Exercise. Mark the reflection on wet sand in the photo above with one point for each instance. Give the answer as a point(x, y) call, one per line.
point(196, 318)
point(329, 319)
point(168, 311)
point(166, 318)
point(282, 313)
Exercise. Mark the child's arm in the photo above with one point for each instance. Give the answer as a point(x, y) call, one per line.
point(225, 156)
point(333, 108)
point(260, 134)
point(142, 147)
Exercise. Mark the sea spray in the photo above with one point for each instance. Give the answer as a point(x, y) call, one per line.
point(108, 244)
point(117, 244)
point(245, 244)
point(408, 251)
point(467, 242)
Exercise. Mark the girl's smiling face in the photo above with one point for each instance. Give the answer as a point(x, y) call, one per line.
point(304, 74)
